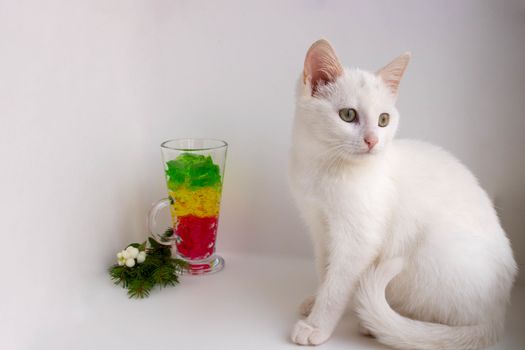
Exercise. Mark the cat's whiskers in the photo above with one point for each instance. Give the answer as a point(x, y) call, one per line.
point(331, 148)
point(336, 160)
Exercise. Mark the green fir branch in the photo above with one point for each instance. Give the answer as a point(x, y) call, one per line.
point(158, 269)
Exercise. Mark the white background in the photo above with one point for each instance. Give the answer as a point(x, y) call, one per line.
point(89, 90)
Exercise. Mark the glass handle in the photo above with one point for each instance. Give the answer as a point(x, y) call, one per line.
point(152, 222)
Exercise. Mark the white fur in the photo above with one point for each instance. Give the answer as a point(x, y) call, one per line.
point(405, 228)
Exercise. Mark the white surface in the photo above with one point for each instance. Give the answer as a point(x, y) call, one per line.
point(89, 89)
point(252, 304)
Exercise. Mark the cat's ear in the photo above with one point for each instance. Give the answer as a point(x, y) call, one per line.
point(321, 65)
point(393, 72)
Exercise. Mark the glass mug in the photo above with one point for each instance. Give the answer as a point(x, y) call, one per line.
point(194, 170)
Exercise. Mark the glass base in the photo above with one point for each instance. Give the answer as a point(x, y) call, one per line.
point(213, 264)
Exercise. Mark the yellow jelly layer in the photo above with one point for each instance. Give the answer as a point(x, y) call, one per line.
point(202, 202)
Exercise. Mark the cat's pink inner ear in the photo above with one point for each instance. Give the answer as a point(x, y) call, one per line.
point(321, 65)
point(393, 72)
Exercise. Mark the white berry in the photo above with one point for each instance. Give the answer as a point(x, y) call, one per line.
point(141, 257)
point(130, 262)
point(132, 252)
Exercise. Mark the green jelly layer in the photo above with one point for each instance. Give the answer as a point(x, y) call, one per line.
point(193, 171)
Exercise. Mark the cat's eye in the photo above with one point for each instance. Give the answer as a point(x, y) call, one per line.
point(384, 119)
point(348, 114)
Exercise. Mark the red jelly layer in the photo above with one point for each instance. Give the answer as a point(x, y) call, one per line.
point(196, 236)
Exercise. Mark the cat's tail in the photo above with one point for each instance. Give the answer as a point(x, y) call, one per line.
point(400, 332)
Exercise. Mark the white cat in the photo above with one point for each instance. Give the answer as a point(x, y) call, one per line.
point(401, 226)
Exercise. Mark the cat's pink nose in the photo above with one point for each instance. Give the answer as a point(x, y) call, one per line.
point(370, 140)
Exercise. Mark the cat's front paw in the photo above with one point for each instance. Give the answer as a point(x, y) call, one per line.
point(305, 334)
